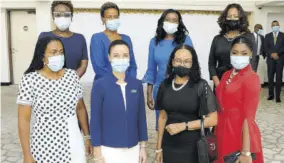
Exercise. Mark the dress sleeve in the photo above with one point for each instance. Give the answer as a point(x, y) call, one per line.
point(150, 76)
point(98, 58)
point(212, 62)
point(84, 49)
point(208, 102)
point(251, 91)
point(25, 92)
point(132, 70)
point(96, 114)
point(188, 41)
point(159, 100)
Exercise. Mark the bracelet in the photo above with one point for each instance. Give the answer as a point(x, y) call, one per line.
point(186, 126)
point(246, 153)
point(87, 137)
point(159, 151)
point(99, 158)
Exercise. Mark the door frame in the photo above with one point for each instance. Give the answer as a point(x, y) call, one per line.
point(9, 31)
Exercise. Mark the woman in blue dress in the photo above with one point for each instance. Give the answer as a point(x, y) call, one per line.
point(170, 32)
point(100, 42)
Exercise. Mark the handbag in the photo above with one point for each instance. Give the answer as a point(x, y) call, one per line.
point(207, 144)
point(233, 157)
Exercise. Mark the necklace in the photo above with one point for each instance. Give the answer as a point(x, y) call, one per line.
point(177, 89)
point(234, 73)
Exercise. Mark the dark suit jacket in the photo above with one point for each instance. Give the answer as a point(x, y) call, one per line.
point(262, 44)
point(262, 52)
point(269, 46)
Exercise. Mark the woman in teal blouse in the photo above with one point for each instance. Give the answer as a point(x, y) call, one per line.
point(170, 32)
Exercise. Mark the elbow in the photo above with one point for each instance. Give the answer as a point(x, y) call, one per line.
point(162, 117)
point(215, 120)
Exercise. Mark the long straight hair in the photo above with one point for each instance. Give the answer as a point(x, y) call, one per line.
point(41, 45)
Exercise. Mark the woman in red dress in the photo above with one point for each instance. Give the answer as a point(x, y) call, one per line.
point(238, 96)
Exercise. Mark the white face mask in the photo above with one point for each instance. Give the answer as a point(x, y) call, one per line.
point(62, 23)
point(56, 63)
point(240, 62)
point(120, 65)
point(170, 28)
point(113, 25)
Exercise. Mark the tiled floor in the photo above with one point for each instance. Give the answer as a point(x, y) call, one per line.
point(270, 118)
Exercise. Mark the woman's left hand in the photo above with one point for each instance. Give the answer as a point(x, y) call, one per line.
point(88, 148)
point(175, 128)
point(244, 159)
point(142, 155)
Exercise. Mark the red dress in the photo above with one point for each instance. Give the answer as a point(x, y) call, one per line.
point(238, 102)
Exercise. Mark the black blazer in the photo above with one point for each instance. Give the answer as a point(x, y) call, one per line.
point(269, 46)
point(262, 52)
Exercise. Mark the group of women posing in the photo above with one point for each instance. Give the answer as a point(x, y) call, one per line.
point(51, 92)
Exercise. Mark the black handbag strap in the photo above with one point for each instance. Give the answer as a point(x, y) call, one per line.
point(202, 128)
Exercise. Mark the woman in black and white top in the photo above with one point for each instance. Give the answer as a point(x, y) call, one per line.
point(53, 95)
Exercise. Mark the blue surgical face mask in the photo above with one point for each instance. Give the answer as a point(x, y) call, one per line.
point(260, 31)
point(113, 25)
point(275, 29)
point(119, 65)
point(56, 63)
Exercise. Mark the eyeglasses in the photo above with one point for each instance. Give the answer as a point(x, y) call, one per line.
point(186, 63)
point(62, 14)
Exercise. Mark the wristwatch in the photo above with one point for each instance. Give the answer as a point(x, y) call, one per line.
point(246, 153)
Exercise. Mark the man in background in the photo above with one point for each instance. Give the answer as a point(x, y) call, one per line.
point(274, 48)
point(259, 44)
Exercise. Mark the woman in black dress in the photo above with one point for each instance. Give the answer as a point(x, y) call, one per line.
point(233, 22)
point(178, 100)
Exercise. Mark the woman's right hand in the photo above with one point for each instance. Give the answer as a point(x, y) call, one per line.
point(29, 159)
point(216, 80)
point(159, 157)
point(150, 101)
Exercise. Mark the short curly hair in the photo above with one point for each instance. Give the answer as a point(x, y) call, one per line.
point(108, 5)
point(66, 3)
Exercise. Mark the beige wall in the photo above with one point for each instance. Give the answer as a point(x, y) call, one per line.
point(5, 73)
point(42, 14)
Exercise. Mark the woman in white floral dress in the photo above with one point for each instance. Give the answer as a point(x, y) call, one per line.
point(53, 95)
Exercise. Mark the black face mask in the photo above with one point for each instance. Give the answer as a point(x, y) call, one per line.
point(181, 71)
point(233, 24)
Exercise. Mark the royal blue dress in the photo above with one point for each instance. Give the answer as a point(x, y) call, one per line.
point(99, 55)
point(158, 58)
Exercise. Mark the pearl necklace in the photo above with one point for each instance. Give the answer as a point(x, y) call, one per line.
point(177, 89)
